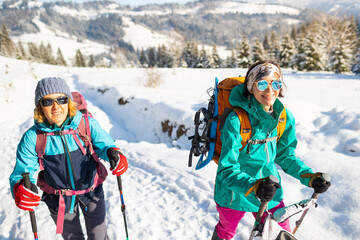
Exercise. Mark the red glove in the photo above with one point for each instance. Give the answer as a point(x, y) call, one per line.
point(121, 164)
point(26, 199)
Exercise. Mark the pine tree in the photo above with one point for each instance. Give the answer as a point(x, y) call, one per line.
point(274, 50)
point(339, 59)
point(341, 54)
point(46, 54)
point(266, 43)
point(20, 52)
point(34, 52)
point(151, 57)
point(52, 60)
point(299, 58)
point(43, 53)
point(356, 66)
point(91, 62)
point(215, 60)
point(293, 33)
point(143, 59)
point(164, 57)
point(203, 59)
point(60, 59)
point(258, 51)
point(79, 59)
point(187, 55)
point(244, 55)
point(231, 61)
point(352, 33)
point(314, 53)
point(286, 51)
point(7, 47)
point(190, 55)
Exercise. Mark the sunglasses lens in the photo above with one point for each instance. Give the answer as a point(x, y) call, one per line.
point(62, 100)
point(46, 102)
point(276, 85)
point(262, 85)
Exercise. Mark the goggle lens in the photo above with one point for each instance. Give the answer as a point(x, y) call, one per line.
point(47, 102)
point(262, 85)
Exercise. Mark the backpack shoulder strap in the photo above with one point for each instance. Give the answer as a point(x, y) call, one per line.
point(245, 126)
point(282, 124)
point(40, 147)
point(85, 135)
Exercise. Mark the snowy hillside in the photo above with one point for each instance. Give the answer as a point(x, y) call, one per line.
point(139, 35)
point(164, 198)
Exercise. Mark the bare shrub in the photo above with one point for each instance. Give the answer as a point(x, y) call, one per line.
point(153, 78)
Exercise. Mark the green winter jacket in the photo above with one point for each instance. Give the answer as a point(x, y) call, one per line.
point(238, 170)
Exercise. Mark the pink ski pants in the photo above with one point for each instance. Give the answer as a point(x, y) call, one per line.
point(230, 218)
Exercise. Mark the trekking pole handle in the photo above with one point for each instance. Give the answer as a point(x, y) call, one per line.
point(272, 180)
point(27, 185)
point(326, 178)
point(113, 165)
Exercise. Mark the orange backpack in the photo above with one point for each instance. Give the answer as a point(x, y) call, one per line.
point(208, 144)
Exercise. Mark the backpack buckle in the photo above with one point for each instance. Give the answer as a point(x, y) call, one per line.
point(246, 130)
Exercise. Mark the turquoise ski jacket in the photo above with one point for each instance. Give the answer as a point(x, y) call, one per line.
point(238, 170)
point(66, 167)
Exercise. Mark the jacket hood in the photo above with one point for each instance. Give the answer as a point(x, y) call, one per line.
point(73, 124)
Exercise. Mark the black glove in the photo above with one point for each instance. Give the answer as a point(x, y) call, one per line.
point(113, 154)
point(118, 161)
point(267, 190)
point(319, 185)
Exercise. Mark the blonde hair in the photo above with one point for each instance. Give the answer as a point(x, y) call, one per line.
point(39, 116)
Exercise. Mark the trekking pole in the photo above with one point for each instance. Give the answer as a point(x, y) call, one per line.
point(113, 164)
point(326, 178)
point(273, 180)
point(27, 185)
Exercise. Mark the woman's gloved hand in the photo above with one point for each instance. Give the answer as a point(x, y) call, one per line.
point(26, 199)
point(118, 161)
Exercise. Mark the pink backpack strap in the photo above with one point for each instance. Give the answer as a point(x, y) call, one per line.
point(40, 147)
point(85, 135)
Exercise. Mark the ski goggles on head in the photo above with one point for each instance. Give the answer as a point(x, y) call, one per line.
point(47, 102)
point(262, 85)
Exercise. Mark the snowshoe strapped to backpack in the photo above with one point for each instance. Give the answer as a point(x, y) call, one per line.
point(207, 145)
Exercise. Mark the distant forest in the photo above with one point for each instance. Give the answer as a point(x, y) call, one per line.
point(318, 43)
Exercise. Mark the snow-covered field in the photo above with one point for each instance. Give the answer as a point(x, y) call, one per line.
point(164, 198)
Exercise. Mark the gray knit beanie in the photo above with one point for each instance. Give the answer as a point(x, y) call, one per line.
point(49, 86)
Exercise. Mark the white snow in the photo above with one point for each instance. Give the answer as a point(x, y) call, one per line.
point(164, 198)
point(253, 8)
point(141, 37)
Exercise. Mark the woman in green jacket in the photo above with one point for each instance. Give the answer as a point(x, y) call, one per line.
point(238, 171)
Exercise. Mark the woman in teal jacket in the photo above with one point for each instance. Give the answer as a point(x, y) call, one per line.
point(238, 171)
point(71, 175)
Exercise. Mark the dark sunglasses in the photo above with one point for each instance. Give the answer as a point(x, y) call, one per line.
point(262, 85)
point(47, 102)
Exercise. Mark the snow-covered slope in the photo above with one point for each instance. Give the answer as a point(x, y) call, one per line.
point(164, 198)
